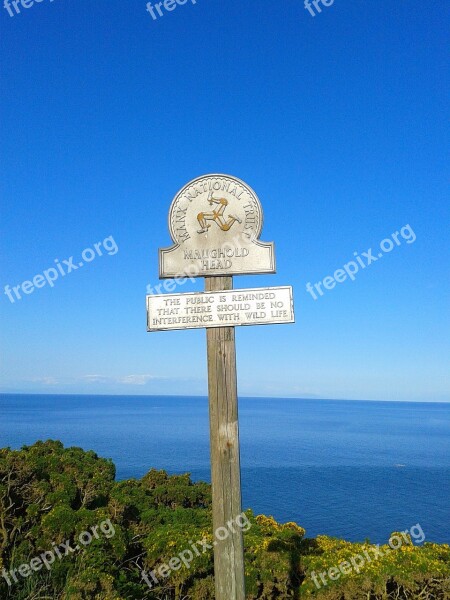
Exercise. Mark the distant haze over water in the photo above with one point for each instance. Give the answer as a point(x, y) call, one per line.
point(350, 469)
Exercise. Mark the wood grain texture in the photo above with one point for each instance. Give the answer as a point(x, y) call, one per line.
point(225, 455)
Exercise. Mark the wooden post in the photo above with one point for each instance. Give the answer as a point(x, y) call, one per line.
point(225, 456)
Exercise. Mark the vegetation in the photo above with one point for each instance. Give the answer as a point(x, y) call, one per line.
point(50, 495)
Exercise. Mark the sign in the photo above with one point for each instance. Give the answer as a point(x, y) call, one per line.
point(258, 306)
point(215, 222)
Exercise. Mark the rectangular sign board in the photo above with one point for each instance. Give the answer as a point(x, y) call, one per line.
point(258, 306)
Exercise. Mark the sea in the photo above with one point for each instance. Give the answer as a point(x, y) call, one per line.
point(351, 469)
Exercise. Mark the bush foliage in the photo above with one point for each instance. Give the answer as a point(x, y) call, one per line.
point(49, 495)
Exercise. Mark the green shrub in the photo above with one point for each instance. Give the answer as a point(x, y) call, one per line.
point(50, 495)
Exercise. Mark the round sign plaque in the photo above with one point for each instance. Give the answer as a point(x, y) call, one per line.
point(215, 222)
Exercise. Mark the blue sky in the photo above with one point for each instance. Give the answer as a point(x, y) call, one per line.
point(337, 121)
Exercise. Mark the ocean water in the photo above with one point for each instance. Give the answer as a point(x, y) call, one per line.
point(349, 469)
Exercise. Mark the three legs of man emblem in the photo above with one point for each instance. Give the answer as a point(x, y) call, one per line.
point(217, 216)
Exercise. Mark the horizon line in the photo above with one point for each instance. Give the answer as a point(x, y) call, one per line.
point(249, 397)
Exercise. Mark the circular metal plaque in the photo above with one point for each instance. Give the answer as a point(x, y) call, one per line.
point(215, 222)
point(215, 205)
